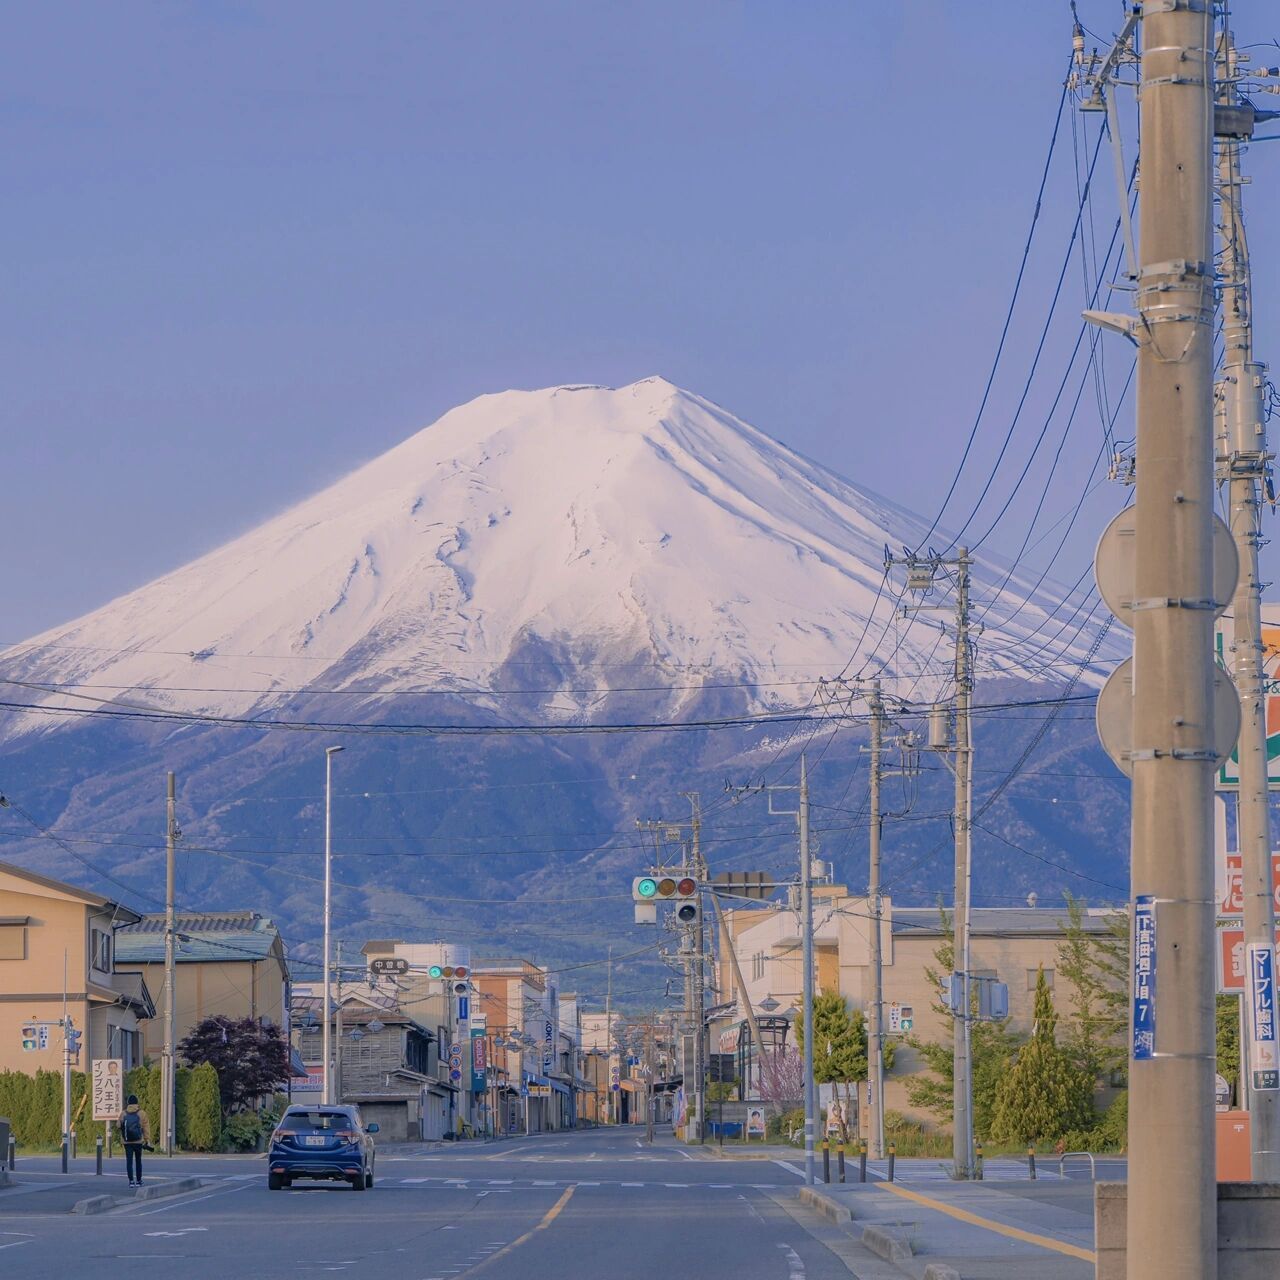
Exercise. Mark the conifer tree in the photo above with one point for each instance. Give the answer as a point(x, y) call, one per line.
point(1043, 1094)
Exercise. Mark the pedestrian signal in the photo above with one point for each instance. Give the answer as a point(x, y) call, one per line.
point(73, 1042)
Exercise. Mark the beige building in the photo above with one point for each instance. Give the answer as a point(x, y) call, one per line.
point(227, 963)
point(1010, 944)
point(58, 950)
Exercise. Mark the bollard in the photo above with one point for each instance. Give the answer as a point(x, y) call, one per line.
point(862, 1163)
point(73, 1144)
point(840, 1161)
point(98, 1154)
point(826, 1161)
point(1031, 1162)
point(13, 1152)
point(64, 1153)
point(893, 1157)
point(977, 1163)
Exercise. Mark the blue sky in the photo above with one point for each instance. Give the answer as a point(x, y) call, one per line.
point(254, 244)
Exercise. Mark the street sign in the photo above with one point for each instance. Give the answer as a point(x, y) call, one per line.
point(464, 1008)
point(1221, 1094)
point(1144, 978)
point(108, 1088)
point(1264, 1053)
point(745, 884)
point(901, 1018)
point(1231, 957)
point(388, 965)
point(1229, 774)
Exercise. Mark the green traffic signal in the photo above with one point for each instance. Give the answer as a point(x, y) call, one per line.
point(436, 971)
point(647, 888)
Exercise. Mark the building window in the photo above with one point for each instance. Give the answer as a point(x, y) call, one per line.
point(13, 940)
point(100, 950)
point(757, 966)
point(1034, 974)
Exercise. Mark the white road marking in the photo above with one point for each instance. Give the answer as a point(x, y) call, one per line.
point(182, 1204)
point(794, 1262)
point(500, 1182)
point(13, 1244)
point(183, 1231)
point(755, 1213)
point(790, 1168)
point(675, 1184)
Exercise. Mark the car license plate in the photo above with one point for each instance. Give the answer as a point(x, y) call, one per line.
point(317, 1141)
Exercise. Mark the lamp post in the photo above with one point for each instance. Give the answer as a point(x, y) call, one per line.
point(329, 753)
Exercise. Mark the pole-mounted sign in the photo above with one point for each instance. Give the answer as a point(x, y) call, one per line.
point(1144, 977)
point(1264, 1053)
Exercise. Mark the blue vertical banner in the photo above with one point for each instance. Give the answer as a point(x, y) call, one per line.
point(1144, 978)
point(479, 1060)
point(1264, 1053)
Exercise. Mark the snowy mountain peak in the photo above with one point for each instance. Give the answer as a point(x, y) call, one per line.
point(590, 532)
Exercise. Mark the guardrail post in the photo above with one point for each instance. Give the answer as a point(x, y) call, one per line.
point(893, 1158)
point(1031, 1162)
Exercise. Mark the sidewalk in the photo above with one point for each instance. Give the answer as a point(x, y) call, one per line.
point(956, 1230)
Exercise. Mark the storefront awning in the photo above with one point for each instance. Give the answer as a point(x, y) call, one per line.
point(558, 1086)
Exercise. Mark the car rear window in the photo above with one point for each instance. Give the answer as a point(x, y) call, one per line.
point(300, 1121)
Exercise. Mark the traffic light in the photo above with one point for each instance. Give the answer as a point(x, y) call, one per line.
point(680, 892)
point(447, 971)
point(30, 1036)
point(644, 889)
point(73, 1042)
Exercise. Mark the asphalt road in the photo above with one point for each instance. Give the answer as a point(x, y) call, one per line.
point(557, 1207)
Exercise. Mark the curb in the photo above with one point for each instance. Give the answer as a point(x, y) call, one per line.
point(825, 1205)
point(891, 1247)
point(157, 1191)
point(940, 1271)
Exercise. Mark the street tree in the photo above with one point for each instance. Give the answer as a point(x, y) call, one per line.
point(251, 1060)
point(839, 1049)
point(1095, 967)
point(1043, 1094)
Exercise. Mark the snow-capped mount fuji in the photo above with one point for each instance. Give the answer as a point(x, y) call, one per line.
point(591, 533)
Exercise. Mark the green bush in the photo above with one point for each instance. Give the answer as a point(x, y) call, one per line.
point(145, 1083)
point(911, 1138)
point(200, 1108)
point(242, 1130)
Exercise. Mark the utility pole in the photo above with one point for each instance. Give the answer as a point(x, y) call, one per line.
point(1172, 1201)
point(962, 1082)
point(726, 939)
point(326, 1045)
point(1242, 459)
point(699, 968)
point(806, 911)
point(337, 1028)
point(169, 1079)
point(875, 1029)
point(921, 574)
point(608, 1039)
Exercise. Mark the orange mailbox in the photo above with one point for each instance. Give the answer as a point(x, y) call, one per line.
point(1234, 1163)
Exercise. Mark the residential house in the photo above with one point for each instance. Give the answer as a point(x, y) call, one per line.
point(228, 963)
point(1010, 944)
point(58, 952)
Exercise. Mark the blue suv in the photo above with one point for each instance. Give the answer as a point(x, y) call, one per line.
point(322, 1142)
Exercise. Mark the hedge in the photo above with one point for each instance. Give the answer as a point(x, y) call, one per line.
point(33, 1106)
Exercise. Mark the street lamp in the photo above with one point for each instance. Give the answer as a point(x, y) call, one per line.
point(329, 753)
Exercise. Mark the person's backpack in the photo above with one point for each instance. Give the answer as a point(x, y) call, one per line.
point(131, 1126)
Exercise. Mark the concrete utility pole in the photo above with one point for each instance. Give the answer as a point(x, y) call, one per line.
point(922, 572)
point(875, 1010)
point(806, 911)
point(327, 1012)
point(1172, 1200)
point(168, 1076)
point(699, 970)
point(337, 1029)
point(608, 1039)
point(1242, 459)
point(962, 1076)
point(726, 939)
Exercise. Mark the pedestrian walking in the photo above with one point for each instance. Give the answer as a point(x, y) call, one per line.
point(135, 1132)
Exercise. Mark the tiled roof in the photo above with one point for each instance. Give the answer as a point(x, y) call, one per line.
point(999, 921)
point(201, 936)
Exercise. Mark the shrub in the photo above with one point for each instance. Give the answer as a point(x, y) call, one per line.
point(200, 1109)
point(242, 1130)
point(912, 1139)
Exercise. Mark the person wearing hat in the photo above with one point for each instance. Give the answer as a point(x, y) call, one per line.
point(135, 1132)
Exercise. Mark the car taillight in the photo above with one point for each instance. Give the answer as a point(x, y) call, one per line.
point(346, 1135)
point(277, 1135)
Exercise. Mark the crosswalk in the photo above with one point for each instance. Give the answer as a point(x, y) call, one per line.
point(542, 1184)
